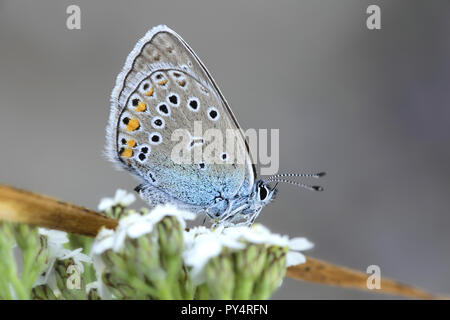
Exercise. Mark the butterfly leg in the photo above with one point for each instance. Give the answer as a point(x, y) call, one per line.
point(227, 213)
point(218, 208)
point(253, 217)
point(247, 218)
point(232, 210)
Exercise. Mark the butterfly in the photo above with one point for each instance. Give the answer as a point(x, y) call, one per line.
point(163, 88)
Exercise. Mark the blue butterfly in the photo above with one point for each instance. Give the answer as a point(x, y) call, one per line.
point(162, 89)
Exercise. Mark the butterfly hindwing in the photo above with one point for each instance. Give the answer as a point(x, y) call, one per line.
point(164, 88)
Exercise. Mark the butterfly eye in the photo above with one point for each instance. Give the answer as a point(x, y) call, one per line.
point(263, 192)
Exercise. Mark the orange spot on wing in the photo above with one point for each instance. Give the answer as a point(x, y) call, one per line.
point(141, 107)
point(133, 124)
point(131, 143)
point(127, 153)
point(149, 93)
point(162, 82)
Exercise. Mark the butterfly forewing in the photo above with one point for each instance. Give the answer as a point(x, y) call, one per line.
point(164, 89)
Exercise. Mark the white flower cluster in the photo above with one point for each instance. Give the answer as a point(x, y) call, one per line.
point(55, 241)
point(202, 244)
point(132, 226)
point(136, 225)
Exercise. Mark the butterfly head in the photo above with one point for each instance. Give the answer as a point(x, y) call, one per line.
point(248, 207)
point(263, 193)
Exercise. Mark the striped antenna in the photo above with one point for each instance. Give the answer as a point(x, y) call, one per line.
point(301, 185)
point(305, 175)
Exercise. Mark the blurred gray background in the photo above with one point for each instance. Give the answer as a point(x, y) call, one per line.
point(372, 108)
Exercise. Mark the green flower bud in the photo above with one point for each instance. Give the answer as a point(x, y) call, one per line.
point(272, 274)
point(143, 256)
point(13, 283)
point(170, 240)
point(249, 265)
point(135, 271)
point(43, 292)
point(220, 276)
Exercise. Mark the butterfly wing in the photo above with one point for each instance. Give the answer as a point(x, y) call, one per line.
point(163, 88)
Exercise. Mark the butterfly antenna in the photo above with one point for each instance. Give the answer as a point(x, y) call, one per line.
point(305, 175)
point(301, 185)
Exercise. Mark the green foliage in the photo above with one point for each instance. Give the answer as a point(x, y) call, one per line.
point(23, 256)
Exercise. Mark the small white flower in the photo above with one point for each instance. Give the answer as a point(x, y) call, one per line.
point(55, 238)
point(77, 257)
point(99, 267)
point(201, 245)
point(122, 197)
point(259, 234)
point(160, 212)
point(136, 225)
point(56, 251)
point(93, 285)
point(189, 236)
point(132, 226)
point(103, 241)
